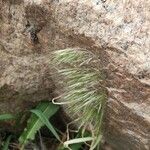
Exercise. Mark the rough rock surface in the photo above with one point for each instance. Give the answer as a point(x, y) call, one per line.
point(118, 31)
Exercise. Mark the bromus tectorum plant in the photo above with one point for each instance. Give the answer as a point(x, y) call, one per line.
point(83, 91)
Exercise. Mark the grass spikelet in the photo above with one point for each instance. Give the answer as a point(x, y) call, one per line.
point(69, 56)
point(84, 94)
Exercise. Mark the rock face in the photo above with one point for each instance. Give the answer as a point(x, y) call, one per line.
point(117, 31)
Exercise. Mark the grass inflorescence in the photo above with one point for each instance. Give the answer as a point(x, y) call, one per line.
point(84, 94)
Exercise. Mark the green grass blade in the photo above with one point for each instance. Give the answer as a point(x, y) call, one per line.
point(35, 123)
point(6, 117)
point(45, 121)
point(6, 144)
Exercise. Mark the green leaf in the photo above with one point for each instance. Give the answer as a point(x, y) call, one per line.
point(46, 122)
point(35, 122)
point(6, 117)
point(76, 146)
point(6, 144)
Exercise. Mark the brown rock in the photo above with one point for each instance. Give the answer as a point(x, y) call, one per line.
point(117, 31)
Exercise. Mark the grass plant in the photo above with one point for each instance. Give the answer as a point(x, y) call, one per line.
point(84, 94)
